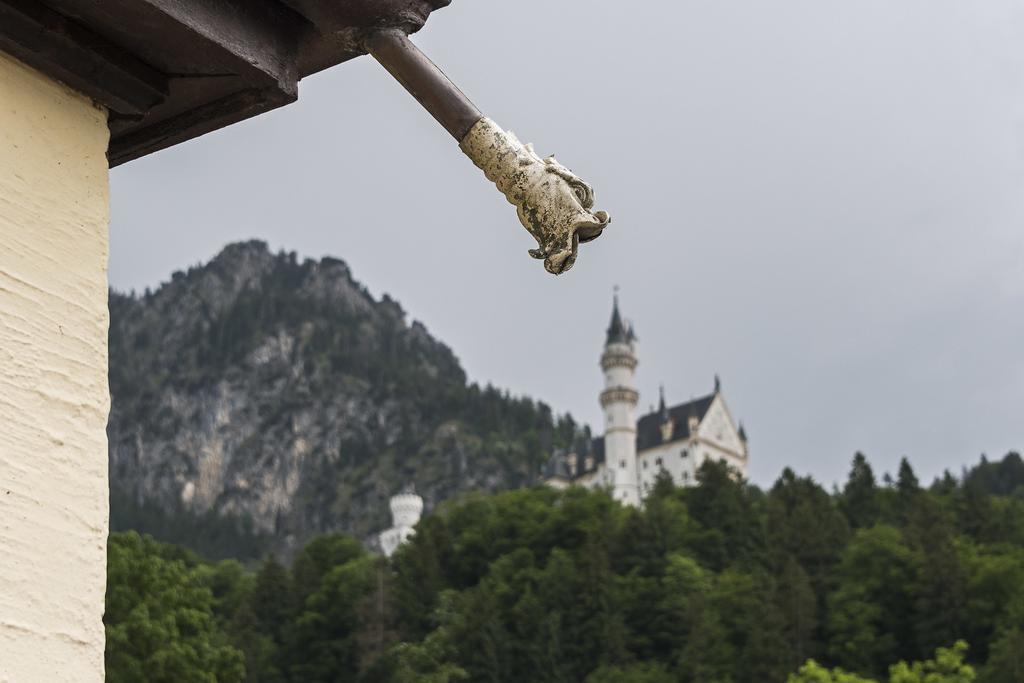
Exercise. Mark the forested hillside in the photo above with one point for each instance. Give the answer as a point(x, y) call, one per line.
point(259, 400)
point(879, 581)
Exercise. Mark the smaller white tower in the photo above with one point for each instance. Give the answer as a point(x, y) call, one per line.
point(619, 400)
point(406, 508)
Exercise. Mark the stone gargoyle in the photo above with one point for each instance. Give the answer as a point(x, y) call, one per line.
point(553, 203)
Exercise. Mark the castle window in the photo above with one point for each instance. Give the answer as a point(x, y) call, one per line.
point(685, 453)
point(686, 476)
point(645, 464)
point(658, 462)
point(622, 464)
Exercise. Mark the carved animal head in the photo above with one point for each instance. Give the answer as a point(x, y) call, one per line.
point(561, 216)
point(551, 201)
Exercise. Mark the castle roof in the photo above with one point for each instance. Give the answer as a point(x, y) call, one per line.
point(648, 427)
point(619, 332)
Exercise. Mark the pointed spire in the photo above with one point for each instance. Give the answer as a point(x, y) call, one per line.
point(618, 332)
point(718, 383)
point(743, 432)
point(662, 410)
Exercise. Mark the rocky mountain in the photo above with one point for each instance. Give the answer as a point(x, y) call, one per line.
point(258, 400)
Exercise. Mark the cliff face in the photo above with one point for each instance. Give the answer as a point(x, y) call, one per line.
point(259, 400)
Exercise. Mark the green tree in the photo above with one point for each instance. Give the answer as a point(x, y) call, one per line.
point(431, 660)
point(803, 522)
point(940, 583)
point(947, 667)
point(723, 506)
point(859, 499)
point(159, 619)
point(271, 599)
point(716, 583)
point(315, 561)
point(323, 641)
point(798, 609)
point(1006, 659)
point(995, 593)
point(908, 488)
point(259, 624)
point(869, 611)
point(812, 672)
point(906, 480)
point(648, 672)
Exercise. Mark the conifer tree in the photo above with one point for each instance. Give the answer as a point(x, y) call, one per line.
point(859, 499)
point(906, 481)
point(798, 607)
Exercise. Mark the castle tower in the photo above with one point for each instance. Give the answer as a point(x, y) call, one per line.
point(406, 508)
point(619, 400)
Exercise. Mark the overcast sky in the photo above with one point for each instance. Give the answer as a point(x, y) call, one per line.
point(820, 200)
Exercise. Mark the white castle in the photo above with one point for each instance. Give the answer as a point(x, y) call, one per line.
point(631, 454)
point(406, 508)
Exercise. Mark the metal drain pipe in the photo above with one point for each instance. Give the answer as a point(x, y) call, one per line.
point(552, 203)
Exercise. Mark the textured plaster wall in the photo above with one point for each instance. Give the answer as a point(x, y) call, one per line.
point(53, 379)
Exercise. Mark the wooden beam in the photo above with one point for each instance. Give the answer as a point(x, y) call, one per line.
point(71, 53)
point(193, 123)
point(258, 38)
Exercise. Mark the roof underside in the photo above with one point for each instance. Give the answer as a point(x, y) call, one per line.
point(171, 70)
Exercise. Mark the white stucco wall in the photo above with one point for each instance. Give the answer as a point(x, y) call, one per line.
point(672, 461)
point(53, 380)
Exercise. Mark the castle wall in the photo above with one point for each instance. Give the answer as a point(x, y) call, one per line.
point(718, 427)
point(681, 468)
